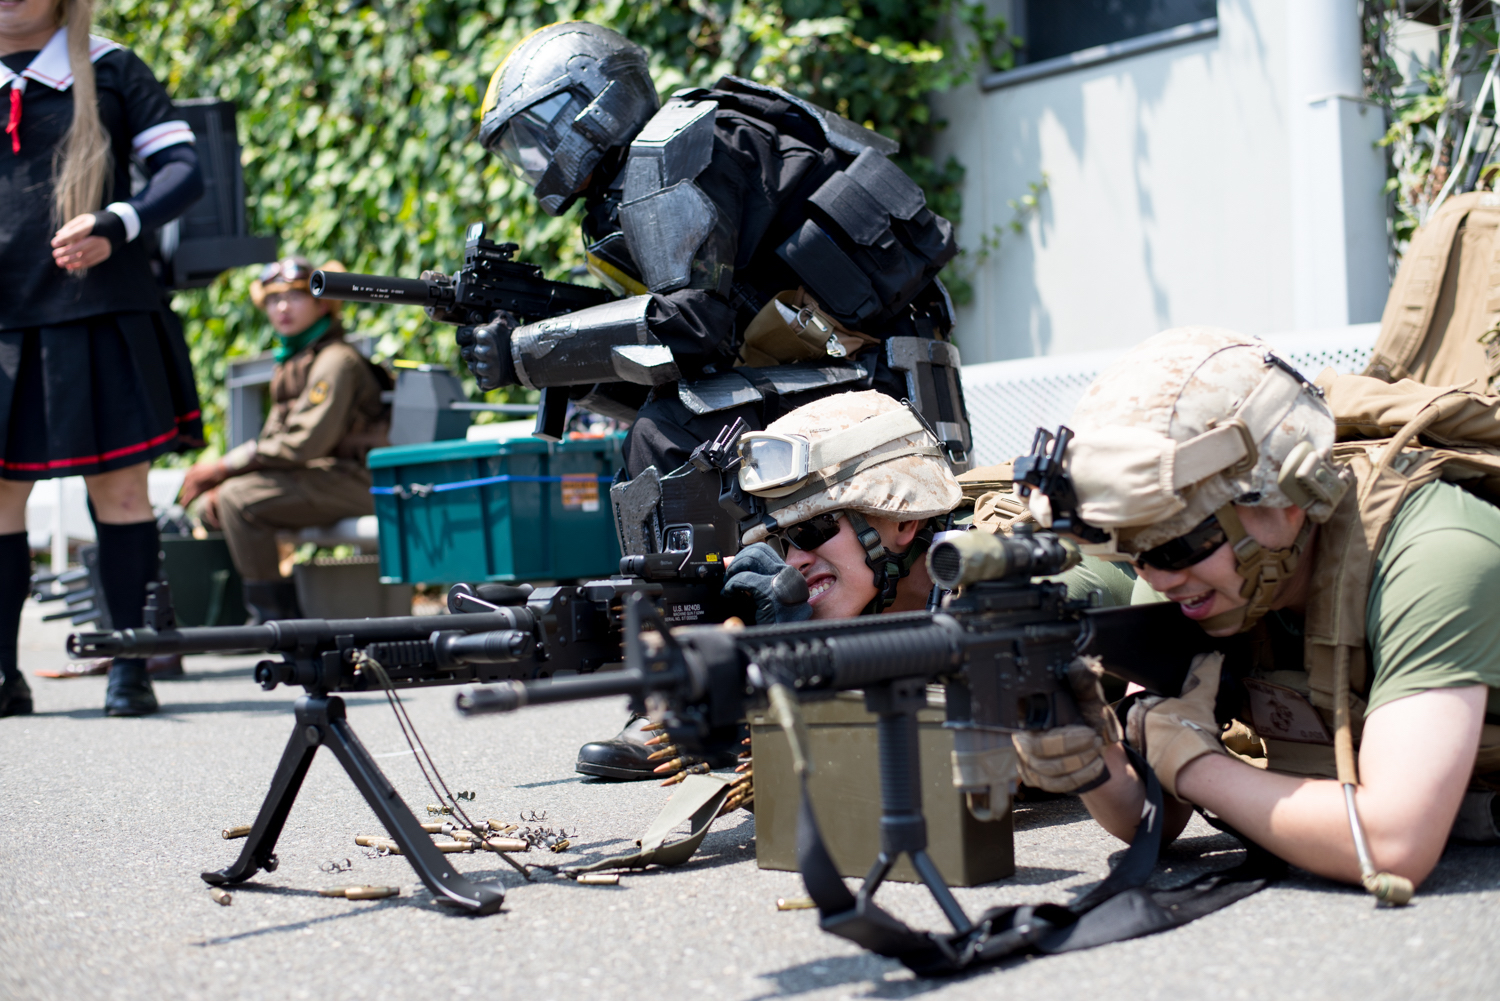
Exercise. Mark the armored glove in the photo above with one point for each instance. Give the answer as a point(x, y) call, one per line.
point(1071, 758)
point(779, 591)
point(1169, 733)
point(486, 351)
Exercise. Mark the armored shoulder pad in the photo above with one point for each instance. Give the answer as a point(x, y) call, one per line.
point(664, 215)
point(841, 133)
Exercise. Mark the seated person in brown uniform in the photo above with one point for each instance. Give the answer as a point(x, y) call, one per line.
point(307, 467)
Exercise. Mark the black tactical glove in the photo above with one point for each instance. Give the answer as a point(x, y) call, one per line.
point(779, 591)
point(486, 351)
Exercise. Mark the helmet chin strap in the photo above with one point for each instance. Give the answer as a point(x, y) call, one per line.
point(1262, 569)
point(889, 568)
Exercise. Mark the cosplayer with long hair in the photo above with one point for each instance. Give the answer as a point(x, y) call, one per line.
point(94, 379)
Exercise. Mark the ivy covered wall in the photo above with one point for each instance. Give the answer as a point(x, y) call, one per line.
point(358, 121)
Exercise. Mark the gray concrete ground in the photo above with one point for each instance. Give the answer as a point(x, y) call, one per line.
point(106, 823)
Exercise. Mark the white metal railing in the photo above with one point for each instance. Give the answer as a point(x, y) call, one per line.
point(1009, 400)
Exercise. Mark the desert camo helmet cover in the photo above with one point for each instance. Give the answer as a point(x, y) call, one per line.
point(905, 476)
point(1190, 422)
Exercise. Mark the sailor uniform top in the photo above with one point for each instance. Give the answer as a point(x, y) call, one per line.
point(138, 116)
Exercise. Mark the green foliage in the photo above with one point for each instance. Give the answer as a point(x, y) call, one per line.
point(358, 119)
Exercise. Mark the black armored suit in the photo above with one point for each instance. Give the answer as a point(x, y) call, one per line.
point(766, 251)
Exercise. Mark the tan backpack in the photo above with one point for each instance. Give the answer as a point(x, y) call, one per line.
point(1442, 318)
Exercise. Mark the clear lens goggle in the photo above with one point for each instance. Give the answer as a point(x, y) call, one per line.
point(769, 461)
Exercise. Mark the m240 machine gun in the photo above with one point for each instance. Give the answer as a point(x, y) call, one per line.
point(1000, 645)
point(490, 281)
point(495, 632)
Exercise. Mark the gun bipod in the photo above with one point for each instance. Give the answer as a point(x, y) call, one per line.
point(320, 719)
point(903, 828)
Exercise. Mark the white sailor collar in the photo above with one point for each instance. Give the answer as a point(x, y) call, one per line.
point(50, 66)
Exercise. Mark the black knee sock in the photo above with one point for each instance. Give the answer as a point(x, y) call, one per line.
point(15, 582)
point(129, 558)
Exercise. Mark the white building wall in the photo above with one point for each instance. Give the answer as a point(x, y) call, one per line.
point(1170, 184)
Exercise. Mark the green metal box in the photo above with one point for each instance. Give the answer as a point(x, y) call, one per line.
point(511, 510)
point(845, 790)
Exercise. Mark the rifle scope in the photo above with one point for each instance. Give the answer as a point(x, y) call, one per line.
point(350, 287)
point(979, 556)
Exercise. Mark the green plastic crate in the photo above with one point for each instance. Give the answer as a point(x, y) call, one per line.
point(514, 510)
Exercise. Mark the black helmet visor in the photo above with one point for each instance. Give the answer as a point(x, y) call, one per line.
point(528, 140)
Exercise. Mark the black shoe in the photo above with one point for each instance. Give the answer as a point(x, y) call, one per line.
point(15, 697)
point(623, 757)
point(129, 692)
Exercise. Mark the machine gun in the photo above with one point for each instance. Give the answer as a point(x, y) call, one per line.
point(1000, 645)
point(495, 632)
point(489, 281)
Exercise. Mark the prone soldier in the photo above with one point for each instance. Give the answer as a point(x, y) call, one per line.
point(307, 466)
point(1363, 572)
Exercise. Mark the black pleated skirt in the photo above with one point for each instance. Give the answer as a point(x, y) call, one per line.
point(95, 395)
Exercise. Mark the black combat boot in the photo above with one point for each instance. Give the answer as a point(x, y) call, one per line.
point(271, 599)
point(622, 757)
point(129, 692)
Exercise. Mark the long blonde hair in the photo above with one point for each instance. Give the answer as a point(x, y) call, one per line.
point(81, 166)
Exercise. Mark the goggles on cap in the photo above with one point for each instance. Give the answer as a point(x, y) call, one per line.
point(774, 465)
point(286, 270)
point(1186, 550)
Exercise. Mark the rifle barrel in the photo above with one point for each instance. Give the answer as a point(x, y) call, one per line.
point(381, 289)
point(287, 634)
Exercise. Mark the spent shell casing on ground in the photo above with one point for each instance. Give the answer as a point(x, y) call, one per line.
point(463, 835)
point(599, 879)
point(371, 892)
point(560, 845)
point(507, 845)
point(794, 903)
point(237, 831)
point(433, 828)
point(220, 896)
point(370, 840)
point(500, 826)
point(434, 808)
point(455, 846)
point(334, 891)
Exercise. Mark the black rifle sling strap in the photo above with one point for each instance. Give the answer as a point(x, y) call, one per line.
point(1118, 908)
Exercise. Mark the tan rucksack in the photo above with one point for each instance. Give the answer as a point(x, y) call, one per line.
point(1442, 318)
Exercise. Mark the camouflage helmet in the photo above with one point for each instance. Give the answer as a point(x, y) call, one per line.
point(1191, 422)
point(563, 98)
point(863, 452)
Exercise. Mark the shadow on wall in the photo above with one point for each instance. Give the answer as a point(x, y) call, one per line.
point(1011, 273)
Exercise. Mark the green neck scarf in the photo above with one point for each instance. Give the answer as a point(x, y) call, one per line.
point(290, 344)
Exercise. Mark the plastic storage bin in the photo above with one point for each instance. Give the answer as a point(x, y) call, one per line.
point(514, 510)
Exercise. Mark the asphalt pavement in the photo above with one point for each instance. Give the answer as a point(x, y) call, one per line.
point(105, 825)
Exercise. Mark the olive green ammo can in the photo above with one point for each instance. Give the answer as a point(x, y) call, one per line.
point(845, 790)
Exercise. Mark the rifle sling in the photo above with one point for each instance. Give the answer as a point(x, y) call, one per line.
point(1118, 908)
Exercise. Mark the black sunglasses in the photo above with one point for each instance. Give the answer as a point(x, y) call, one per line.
point(810, 534)
point(1186, 550)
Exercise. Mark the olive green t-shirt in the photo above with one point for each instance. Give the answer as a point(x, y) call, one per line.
point(1113, 581)
point(1432, 619)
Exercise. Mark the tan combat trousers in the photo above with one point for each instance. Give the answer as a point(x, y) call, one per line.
point(255, 506)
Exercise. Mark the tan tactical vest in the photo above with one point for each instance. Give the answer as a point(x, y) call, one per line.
point(1441, 323)
point(1396, 439)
